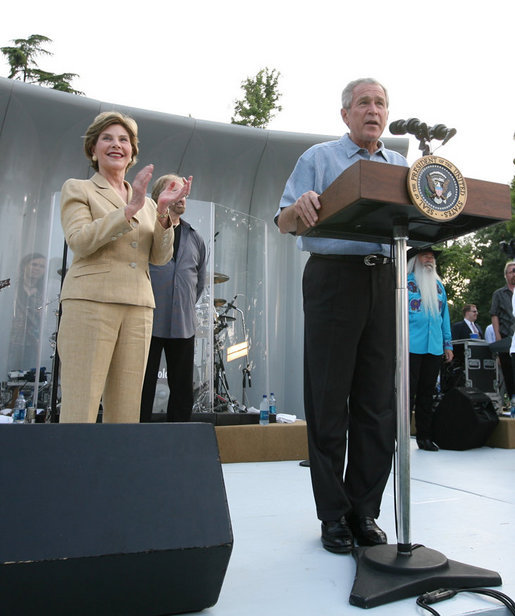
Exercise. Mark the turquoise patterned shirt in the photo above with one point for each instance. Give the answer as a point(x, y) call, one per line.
point(428, 332)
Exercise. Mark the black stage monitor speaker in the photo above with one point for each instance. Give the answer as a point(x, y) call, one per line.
point(464, 419)
point(106, 519)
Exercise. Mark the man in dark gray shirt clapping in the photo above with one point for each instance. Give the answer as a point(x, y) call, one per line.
point(177, 287)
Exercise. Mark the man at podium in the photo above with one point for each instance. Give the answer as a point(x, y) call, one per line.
point(349, 348)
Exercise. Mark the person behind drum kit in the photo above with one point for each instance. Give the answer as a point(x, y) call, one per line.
point(26, 324)
point(114, 230)
point(177, 287)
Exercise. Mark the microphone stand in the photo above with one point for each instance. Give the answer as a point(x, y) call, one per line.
point(53, 416)
point(423, 132)
point(386, 573)
point(246, 379)
point(245, 371)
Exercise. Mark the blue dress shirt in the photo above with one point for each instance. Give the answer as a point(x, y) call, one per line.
point(315, 170)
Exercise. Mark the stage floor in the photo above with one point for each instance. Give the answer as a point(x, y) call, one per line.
point(462, 504)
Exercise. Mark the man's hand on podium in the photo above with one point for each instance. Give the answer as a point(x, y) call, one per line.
point(305, 208)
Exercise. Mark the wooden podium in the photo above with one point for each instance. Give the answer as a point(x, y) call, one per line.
point(369, 201)
point(363, 201)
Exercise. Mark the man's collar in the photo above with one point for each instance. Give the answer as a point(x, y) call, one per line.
point(352, 148)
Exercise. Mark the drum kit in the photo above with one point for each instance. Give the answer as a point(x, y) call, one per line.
point(222, 399)
point(222, 319)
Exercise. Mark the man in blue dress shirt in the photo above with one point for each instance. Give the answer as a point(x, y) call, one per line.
point(349, 334)
point(177, 287)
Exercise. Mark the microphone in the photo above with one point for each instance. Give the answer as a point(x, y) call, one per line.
point(398, 127)
point(450, 134)
point(413, 126)
point(401, 127)
point(438, 131)
point(420, 130)
point(231, 303)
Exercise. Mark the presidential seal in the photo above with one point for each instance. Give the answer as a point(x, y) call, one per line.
point(437, 188)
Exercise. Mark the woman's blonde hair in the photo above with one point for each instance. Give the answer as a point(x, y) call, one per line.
point(98, 126)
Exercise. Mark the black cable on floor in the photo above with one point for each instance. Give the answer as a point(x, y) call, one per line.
point(428, 598)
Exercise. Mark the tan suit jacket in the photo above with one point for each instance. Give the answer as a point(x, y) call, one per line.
point(110, 255)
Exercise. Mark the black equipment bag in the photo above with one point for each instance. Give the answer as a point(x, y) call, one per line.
point(464, 419)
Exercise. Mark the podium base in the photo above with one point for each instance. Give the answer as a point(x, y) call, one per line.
point(383, 575)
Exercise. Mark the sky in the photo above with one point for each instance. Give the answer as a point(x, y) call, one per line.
point(445, 62)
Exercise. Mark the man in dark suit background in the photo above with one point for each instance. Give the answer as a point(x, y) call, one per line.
point(468, 328)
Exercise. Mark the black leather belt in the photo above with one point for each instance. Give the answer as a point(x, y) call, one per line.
point(369, 260)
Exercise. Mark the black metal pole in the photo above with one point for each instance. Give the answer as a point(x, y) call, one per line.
point(56, 362)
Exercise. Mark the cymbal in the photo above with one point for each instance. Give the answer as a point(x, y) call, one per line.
point(220, 278)
point(219, 302)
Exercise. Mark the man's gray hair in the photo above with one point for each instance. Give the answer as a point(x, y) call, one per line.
point(349, 89)
point(507, 266)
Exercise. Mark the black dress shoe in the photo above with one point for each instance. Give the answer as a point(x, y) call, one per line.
point(426, 444)
point(337, 536)
point(366, 531)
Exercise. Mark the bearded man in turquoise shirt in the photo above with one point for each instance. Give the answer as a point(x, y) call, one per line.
point(429, 337)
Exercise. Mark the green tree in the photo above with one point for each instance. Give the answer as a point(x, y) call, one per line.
point(22, 60)
point(56, 81)
point(259, 104)
point(22, 57)
point(457, 268)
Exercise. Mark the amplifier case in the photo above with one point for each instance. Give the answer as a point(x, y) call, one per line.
point(474, 365)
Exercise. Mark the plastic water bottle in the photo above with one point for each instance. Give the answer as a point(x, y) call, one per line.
point(512, 409)
point(272, 404)
point(264, 412)
point(19, 409)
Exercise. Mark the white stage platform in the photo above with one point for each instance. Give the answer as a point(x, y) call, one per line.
point(462, 504)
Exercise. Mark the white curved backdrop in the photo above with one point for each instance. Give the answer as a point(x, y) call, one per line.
point(239, 167)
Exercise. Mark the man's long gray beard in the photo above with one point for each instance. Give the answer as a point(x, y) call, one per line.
point(426, 278)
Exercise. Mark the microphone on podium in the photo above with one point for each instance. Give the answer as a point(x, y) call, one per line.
point(414, 126)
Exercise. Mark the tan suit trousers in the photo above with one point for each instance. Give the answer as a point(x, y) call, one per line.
point(103, 349)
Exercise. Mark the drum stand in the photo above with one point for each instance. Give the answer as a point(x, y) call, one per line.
point(222, 395)
point(246, 378)
point(388, 573)
point(53, 413)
